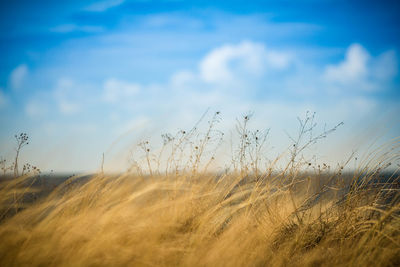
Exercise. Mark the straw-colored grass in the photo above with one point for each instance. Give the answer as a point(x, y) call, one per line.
point(284, 217)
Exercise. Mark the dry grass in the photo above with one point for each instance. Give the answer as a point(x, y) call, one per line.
point(285, 217)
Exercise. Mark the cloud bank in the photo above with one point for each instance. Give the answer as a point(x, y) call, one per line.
point(233, 78)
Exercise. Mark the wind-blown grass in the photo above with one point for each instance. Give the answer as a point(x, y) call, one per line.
point(191, 217)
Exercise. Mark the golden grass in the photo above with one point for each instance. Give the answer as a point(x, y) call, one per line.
point(224, 221)
point(266, 217)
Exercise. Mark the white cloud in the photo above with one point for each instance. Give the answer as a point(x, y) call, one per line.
point(362, 71)
point(68, 28)
point(116, 90)
point(216, 66)
point(103, 5)
point(353, 68)
point(18, 76)
point(226, 63)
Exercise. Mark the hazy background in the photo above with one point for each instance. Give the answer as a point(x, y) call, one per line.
point(87, 77)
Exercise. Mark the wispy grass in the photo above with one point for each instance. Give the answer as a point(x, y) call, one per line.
point(171, 209)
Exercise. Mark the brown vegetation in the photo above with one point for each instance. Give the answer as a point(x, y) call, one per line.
point(299, 214)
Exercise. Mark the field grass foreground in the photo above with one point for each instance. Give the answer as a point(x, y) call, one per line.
point(191, 217)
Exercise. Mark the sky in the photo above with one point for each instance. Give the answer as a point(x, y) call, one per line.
point(86, 77)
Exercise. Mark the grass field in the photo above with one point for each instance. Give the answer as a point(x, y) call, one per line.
point(174, 211)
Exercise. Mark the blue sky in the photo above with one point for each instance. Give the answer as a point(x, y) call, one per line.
point(78, 76)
